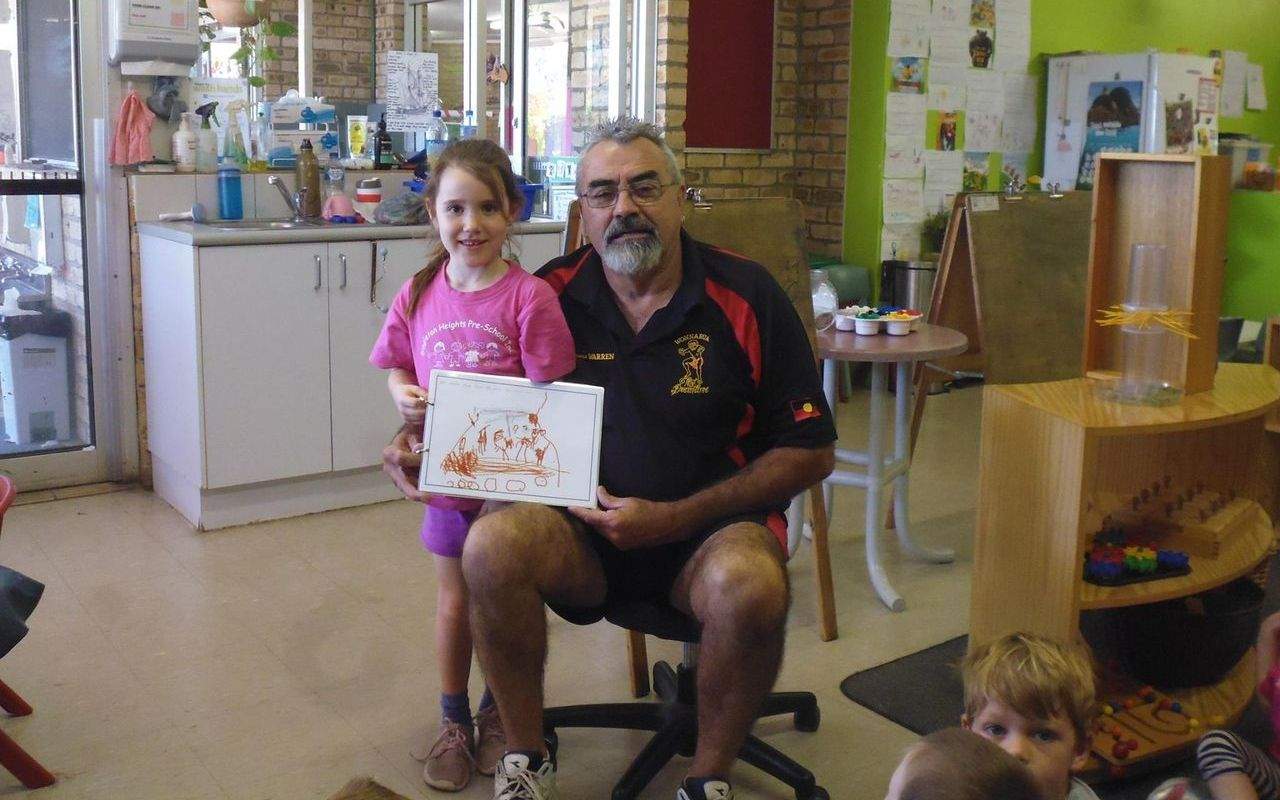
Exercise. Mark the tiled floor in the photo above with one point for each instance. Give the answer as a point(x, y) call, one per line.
point(278, 660)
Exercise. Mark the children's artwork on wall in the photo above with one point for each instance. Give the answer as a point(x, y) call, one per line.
point(944, 130)
point(978, 172)
point(1206, 135)
point(1179, 126)
point(907, 75)
point(1113, 124)
point(496, 437)
point(1013, 169)
point(982, 13)
point(981, 48)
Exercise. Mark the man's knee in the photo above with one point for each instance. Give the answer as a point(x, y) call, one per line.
point(745, 582)
point(497, 548)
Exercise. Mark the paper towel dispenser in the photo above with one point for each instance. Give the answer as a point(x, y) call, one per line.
point(141, 30)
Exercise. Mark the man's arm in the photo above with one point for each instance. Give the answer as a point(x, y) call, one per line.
point(401, 463)
point(774, 478)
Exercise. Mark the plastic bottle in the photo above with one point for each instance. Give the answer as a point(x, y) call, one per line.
point(184, 146)
point(384, 156)
point(436, 135)
point(307, 174)
point(469, 125)
point(230, 199)
point(206, 140)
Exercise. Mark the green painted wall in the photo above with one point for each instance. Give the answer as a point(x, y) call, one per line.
point(1109, 26)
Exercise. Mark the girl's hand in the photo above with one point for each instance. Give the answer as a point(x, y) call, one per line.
point(411, 402)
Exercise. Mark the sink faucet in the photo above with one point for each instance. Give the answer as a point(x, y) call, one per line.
point(294, 201)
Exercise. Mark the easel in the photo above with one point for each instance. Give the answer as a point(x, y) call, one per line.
point(1012, 279)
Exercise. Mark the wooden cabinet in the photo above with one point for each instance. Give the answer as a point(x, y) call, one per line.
point(1056, 461)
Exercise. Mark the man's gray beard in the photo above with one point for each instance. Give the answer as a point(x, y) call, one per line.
point(633, 257)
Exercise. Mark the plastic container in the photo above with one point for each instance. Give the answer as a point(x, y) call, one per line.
point(1191, 641)
point(436, 136)
point(369, 190)
point(845, 322)
point(897, 327)
point(184, 146)
point(866, 327)
point(825, 301)
point(1144, 351)
point(530, 195)
point(230, 197)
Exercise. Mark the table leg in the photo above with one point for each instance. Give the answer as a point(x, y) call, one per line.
point(875, 488)
point(830, 373)
point(902, 451)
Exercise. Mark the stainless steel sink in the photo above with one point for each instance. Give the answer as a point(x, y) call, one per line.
point(260, 224)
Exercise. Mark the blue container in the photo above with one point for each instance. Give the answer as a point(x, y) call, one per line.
point(530, 194)
point(230, 198)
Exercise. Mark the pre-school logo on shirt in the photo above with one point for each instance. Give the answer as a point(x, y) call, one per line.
point(692, 349)
point(465, 344)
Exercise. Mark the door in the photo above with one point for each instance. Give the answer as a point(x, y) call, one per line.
point(66, 412)
point(364, 418)
point(266, 415)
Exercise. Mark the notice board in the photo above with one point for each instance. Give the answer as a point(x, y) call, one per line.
point(730, 95)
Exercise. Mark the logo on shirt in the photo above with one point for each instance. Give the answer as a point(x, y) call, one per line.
point(691, 348)
point(804, 409)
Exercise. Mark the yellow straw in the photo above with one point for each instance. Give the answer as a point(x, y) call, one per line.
point(1171, 320)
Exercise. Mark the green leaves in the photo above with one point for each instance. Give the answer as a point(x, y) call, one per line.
point(257, 81)
point(281, 29)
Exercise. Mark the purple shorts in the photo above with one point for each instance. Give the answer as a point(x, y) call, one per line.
point(445, 529)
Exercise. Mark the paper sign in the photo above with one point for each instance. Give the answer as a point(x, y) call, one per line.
point(950, 45)
point(903, 201)
point(496, 437)
point(900, 242)
point(1255, 88)
point(413, 86)
point(908, 33)
point(950, 14)
point(1234, 76)
point(904, 114)
point(903, 156)
point(985, 92)
point(943, 171)
point(983, 202)
point(982, 131)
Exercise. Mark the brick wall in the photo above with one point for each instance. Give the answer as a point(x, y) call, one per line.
point(388, 25)
point(811, 75)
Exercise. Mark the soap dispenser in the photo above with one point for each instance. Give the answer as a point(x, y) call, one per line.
point(184, 146)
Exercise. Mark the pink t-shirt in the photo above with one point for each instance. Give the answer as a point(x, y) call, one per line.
point(514, 327)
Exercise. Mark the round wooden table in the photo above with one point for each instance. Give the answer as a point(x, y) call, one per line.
point(880, 350)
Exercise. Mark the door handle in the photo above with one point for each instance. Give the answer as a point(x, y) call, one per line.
point(318, 271)
point(342, 259)
point(375, 277)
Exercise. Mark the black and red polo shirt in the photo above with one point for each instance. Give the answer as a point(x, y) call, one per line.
point(721, 374)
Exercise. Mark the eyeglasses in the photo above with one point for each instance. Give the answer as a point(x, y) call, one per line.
point(645, 192)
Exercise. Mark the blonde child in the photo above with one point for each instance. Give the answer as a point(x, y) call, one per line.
point(956, 764)
point(1233, 768)
point(1035, 698)
point(467, 309)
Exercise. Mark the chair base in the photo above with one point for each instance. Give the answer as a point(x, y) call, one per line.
point(12, 757)
point(674, 722)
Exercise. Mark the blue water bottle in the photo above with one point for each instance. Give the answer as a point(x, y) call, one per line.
point(230, 199)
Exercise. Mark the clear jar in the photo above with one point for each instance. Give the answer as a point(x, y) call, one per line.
point(825, 299)
point(1146, 352)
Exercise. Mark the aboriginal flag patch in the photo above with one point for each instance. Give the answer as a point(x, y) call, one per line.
point(805, 409)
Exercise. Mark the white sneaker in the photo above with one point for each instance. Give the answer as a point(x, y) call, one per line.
point(712, 790)
point(513, 779)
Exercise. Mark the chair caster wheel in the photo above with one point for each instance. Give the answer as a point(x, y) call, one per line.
point(818, 793)
point(552, 740)
point(807, 719)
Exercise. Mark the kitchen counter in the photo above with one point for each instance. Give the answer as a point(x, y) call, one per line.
point(210, 235)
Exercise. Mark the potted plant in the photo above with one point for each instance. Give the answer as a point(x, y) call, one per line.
point(237, 13)
point(933, 231)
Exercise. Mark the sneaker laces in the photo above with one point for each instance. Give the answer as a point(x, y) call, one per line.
point(452, 737)
point(489, 730)
point(525, 784)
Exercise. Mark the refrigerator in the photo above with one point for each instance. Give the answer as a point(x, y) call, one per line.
point(1135, 102)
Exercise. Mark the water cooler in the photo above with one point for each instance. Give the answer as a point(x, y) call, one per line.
point(35, 378)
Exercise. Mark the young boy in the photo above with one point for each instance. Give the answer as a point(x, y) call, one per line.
point(955, 764)
point(1034, 698)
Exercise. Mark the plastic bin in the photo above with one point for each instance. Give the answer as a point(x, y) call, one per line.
point(530, 195)
point(1191, 641)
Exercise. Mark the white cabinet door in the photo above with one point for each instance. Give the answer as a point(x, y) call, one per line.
point(363, 417)
point(264, 342)
point(535, 249)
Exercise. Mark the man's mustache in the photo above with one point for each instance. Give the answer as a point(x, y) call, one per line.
point(625, 225)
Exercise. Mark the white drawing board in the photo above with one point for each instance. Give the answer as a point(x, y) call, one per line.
point(502, 438)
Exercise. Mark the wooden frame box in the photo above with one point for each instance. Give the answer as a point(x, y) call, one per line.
point(1179, 201)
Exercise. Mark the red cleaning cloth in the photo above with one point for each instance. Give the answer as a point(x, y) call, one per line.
point(132, 141)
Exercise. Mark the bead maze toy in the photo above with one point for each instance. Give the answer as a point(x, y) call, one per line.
point(1140, 723)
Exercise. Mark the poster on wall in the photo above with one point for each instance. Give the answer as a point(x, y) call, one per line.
point(1179, 126)
point(980, 171)
point(1112, 125)
point(981, 48)
point(413, 86)
point(906, 74)
point(944, 130)
point(1013, 169)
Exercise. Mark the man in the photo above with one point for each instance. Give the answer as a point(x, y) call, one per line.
point(714, 419)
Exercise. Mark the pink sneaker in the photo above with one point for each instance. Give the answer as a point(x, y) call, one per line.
point(448, 762)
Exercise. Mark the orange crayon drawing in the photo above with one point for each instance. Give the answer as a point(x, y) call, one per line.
point(503, 450)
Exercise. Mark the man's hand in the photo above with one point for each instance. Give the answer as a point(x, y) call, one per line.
point(411, 402)
point(630, 522)
point(401, 463)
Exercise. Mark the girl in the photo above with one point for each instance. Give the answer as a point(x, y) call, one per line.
point(467, 309)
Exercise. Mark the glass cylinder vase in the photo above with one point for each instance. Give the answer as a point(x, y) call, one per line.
point(825, 299)
point(1146, 350)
